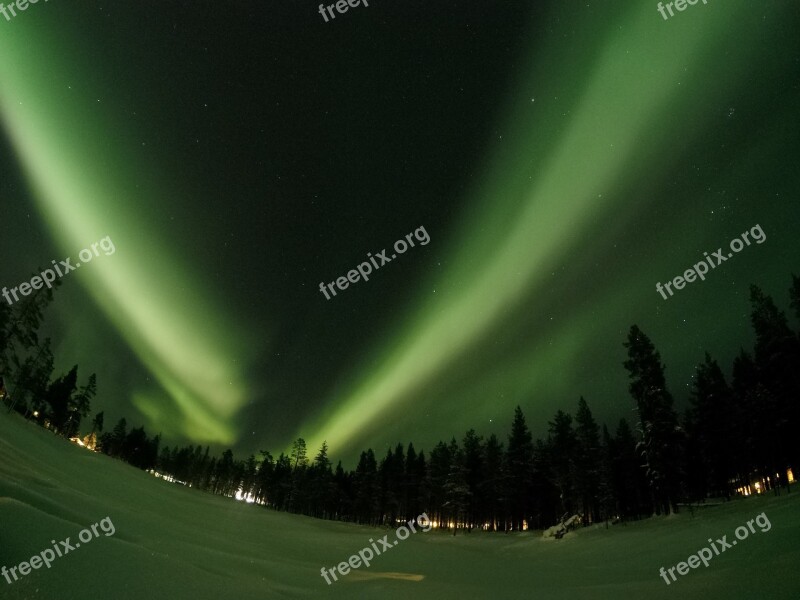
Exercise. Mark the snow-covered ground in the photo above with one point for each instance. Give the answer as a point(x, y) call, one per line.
point(172, 542)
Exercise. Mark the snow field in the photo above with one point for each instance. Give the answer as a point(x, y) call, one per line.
point(172, 542)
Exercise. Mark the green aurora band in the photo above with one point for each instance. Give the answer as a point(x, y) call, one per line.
point(556, 173)
point(86, 189)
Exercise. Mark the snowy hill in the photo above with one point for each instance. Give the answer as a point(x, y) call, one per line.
point(172, 542)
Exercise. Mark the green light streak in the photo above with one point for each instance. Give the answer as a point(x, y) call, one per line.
point(532, 217)
point(85, 187)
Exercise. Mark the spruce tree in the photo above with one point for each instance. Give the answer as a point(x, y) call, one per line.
point(59, 398)
point(492, 489)
point(777, 357)
point(26, 362)
point(436, 480)
point(456, 491)
point(97, 422)
point(412, 481)
point(473, 464)
point(658, 422)
point(587, 461)
point(562, 446)
point(265, 477)
point(711, 421)
point(628, 474)
point(606, 498)
point(519, 470)
point(367, 489)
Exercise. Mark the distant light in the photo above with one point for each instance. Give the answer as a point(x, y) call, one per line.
point(249, 498)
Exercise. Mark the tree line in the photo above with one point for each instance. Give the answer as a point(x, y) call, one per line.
point(27, 384)
point(731, 435)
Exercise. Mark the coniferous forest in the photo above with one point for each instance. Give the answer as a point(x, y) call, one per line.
point(737, 436)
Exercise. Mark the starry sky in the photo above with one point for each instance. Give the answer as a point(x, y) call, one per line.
point(562, 158)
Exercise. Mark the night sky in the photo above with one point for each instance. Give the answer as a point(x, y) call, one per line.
point(563, 159)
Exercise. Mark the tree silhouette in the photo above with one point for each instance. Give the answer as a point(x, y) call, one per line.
point(658, 422)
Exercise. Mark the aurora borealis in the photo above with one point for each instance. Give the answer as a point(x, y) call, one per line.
point(562, 159)
point(141, 289)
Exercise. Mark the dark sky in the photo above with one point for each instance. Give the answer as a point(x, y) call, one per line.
point(561, 159)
